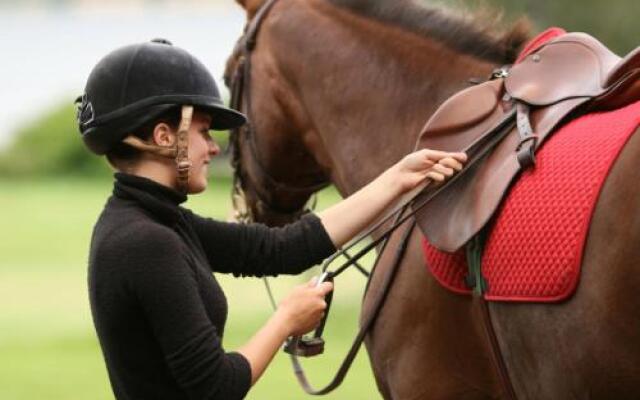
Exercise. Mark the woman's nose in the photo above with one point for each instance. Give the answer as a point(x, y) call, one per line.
point(214, 149)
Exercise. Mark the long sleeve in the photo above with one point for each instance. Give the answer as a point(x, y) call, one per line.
point(257, 250)
point(165, 287)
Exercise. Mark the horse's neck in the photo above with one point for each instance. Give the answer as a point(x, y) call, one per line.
point(365, 103)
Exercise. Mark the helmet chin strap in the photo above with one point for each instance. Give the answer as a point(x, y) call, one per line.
point(183, 164)
point(179, 152)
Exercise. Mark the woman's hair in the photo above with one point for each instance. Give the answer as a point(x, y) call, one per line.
point(123, 155)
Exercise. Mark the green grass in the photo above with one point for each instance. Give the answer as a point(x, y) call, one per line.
point(48, 349)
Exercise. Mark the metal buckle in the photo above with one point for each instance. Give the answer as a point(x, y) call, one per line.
point(500, 73)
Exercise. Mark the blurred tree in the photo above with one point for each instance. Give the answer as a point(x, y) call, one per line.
point(51, 145)
point(612, 22)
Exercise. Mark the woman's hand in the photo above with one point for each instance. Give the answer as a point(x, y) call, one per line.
point(344, 220)
point(302, 310)
point(423, 164)
point(298, 313)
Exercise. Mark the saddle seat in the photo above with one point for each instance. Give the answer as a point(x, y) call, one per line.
point(500, 124)
point(574, 65)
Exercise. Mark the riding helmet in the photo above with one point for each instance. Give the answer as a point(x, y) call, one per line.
point(137, 83)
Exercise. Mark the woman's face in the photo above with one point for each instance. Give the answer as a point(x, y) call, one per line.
point(202, 148)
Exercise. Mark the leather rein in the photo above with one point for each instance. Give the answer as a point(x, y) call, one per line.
point(402, 214)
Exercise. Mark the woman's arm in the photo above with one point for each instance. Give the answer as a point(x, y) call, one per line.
point(257, 250)
point(352, 215)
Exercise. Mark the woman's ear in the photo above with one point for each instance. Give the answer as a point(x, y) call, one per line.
point(163, 135)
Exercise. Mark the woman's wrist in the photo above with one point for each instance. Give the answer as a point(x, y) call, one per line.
point(281, 323)
point(392, 180)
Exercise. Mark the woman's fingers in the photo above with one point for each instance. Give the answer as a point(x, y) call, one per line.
point(325, 287)
point(442, 169)
point(439, 173)
point(435, 176)
point(435, 165)
point(451, 163)
point(437, 155)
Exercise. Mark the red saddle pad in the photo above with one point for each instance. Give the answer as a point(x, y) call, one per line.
point(534, 250)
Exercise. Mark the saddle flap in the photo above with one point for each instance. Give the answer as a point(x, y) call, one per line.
point(452, 127)
point(571, 66)
point(561, 79)
point(453, 217)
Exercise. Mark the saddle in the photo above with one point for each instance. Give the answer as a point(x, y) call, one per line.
point(502, 122)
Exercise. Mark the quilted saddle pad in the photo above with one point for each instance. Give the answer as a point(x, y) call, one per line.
point(535, 246)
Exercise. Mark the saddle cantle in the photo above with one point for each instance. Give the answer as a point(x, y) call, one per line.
point(558, 80)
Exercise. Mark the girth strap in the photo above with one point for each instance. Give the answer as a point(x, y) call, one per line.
point(474, 279)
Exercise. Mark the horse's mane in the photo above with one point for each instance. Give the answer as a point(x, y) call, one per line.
point(473, 34)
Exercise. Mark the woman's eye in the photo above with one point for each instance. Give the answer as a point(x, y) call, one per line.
point(207, 134)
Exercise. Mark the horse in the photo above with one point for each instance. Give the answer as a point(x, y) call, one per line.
point(339, 90)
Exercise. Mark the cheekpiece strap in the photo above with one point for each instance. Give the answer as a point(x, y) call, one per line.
point(183, 164)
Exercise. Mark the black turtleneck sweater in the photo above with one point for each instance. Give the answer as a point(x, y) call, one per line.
point(157, 308)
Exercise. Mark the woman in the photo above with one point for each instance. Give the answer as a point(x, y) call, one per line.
point(158, 310)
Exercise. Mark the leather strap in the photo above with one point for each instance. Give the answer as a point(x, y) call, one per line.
point(528, 139)
point(366, 325)
point(496, 355)
point(137, 143)
point(474, 259)
point(251, 33)
point(183, 164)
point(474, 279)
point(179, 152)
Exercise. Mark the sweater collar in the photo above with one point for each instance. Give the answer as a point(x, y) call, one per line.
point(158, 199)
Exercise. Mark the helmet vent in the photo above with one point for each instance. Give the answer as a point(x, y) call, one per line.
point(84, 113)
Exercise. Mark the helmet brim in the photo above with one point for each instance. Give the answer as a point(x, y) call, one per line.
point(224, 118)
point(103, 137)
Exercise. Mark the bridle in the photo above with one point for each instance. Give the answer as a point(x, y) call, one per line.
point(240, 84)
point(402, 215)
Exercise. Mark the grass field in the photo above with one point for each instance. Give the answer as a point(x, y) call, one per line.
point(48, 348)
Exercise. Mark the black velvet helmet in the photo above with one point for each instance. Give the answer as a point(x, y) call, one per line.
point(137, 83)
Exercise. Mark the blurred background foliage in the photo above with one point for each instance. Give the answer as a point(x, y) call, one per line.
point(612, 22)
point(51, 146)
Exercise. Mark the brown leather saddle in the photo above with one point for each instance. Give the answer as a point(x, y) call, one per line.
point(502, 122)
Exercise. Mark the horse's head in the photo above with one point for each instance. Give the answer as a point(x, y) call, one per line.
point(341, 89)
point(274, 173)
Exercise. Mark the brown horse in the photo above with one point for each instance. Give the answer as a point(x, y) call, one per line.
point(339, 90)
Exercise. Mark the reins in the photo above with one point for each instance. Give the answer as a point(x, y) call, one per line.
point(412, 202)
point(417, 199)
